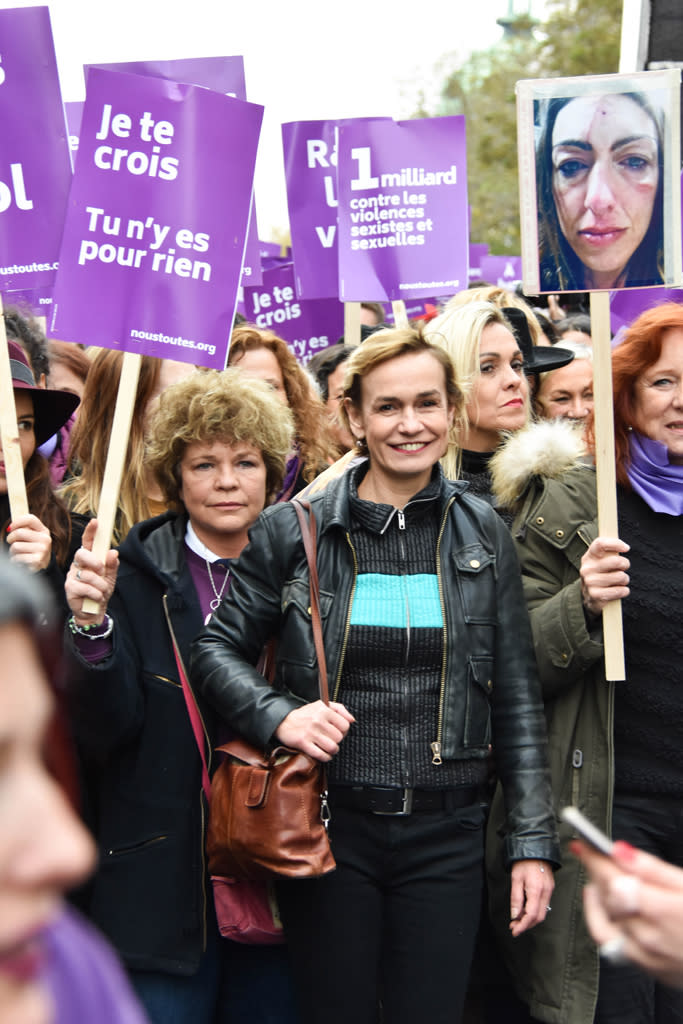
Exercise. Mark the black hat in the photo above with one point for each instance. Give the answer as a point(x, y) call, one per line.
point(51, 408)
point(537, 358)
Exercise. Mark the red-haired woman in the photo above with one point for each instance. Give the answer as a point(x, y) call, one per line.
point(615, 748)
point(262, 354)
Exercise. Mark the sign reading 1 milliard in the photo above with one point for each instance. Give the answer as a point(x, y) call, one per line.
point(403, 221)
point(157, 218)
point(35, 172)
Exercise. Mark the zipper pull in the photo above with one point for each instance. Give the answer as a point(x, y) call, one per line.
point(401, 519)
point(436, 752)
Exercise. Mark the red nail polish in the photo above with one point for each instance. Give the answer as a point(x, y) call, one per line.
point(624, 852)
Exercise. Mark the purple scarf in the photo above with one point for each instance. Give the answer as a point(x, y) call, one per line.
point(658, 481)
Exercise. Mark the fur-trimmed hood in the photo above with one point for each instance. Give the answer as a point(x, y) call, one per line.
point(548, 448)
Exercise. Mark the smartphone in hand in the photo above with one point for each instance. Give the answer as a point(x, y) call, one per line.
point(589, 832)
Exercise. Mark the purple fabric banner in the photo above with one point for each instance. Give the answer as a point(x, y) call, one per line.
point(155, 230)
point(220, 74)
point(402, 192)
point(35, 171)
point(503, 271)
point(307, 325)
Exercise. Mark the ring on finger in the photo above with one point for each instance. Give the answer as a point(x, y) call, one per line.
point(78, 574)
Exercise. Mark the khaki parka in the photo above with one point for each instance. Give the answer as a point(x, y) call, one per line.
point(555, 966)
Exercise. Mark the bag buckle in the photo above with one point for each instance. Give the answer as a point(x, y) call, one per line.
point(406, 798)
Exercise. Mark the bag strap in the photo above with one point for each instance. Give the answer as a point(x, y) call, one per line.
point(308, 532)
point(191, 702)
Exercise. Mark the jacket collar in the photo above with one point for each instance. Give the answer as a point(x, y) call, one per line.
point(336, 504)
point(156, 546)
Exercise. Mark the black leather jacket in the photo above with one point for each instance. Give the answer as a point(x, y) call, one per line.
point(489, 694)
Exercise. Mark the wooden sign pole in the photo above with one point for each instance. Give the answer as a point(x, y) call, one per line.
point(398, 308)
point(116, 457)
point(9, 432)
point(608, 524)
point(352, 323)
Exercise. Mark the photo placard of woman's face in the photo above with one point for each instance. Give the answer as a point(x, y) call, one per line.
point(600, 190)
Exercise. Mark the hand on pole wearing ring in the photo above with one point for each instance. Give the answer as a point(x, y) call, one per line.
point(531, 886)
point(89, 577)
point(634, 909)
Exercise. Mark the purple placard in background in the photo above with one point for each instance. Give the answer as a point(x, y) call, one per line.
point(154, 235)
point(35, 171)
point(310, 152)
point(220, 74)
point(402, 193)
point(477, 251)
point(74, 115)
point(502, 271)
point(306, 325)
point(627, 304)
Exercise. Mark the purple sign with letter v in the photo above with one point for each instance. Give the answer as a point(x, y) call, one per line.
point(157, 218)
point(35, 171)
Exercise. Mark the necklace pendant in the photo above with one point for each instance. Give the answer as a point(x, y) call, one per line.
point(208, 618)
point(213, 604)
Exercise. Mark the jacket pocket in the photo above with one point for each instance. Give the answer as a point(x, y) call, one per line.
point(474, 574)
point(477, 732)
point(121, 851)
point(295, 644)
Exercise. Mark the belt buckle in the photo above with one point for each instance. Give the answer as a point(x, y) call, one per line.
point(406, 805)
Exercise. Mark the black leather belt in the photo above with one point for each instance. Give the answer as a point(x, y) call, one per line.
point(391, 800)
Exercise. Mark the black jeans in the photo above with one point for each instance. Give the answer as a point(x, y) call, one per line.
point(394, 925)
point(627, 995)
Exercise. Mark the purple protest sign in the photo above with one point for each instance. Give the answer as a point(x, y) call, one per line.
point(307, 325)
point(221, 74)
point(35, 171)
point(155, 229)
point(37, 300)
point(402, 192)
point(310, 152)
point(625, 306)
point(477, 251)
point(503, 271)
point(74, 115)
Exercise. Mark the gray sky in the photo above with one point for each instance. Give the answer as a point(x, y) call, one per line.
point(304, 59)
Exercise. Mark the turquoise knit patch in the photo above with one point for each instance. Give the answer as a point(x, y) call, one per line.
point(395, 602)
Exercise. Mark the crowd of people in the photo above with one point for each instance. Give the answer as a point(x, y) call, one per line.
point(450, 471)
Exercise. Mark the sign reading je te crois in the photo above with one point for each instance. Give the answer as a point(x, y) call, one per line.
point(156, 224)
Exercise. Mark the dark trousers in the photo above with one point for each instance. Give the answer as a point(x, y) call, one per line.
point(627, 995)
point(235, 984)
point(394, 925)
